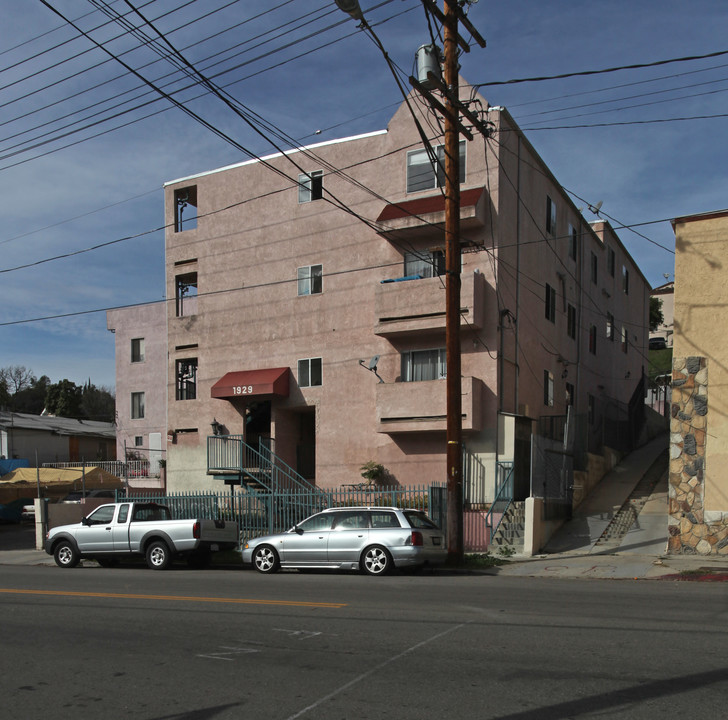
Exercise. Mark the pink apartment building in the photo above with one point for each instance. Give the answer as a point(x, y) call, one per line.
point(140, 338)
point(293, 275)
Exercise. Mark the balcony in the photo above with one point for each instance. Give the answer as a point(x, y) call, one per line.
point(410, 407)
point(426, 215)
point(415, 306)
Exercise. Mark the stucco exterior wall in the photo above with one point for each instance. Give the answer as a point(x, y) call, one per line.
point(251, 236)
point(149, 323)
point(699, 425)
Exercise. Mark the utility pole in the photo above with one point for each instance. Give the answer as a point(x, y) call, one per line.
point(455, 540)
point(451, 111)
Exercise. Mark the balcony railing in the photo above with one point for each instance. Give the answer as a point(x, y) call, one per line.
point(407, 407)
point(417, 305)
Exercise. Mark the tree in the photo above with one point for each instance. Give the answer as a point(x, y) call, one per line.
point(31, 399)
point(16, 378)
point(656, 316)
point(97, 403)
point(64, 399)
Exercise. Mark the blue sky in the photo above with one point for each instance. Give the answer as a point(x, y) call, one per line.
point(306, 67)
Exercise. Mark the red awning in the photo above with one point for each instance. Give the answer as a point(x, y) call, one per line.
point(252, 383)
point(426, 205)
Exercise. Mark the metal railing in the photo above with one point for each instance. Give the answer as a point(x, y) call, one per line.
point(130, 469)
point(503, 497)
point(230, 454)
point(261, 513)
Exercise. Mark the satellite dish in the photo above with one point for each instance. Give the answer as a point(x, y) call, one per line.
point(373, 363)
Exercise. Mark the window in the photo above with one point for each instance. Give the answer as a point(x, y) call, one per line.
point(625, 280)
point(426, 263)
point(137, 405)
point(310, 280)
point(421, 172)
point(309, 372)
point(591, 408)
point(185, 209)
point(137, 350)
point(186, 294)
point(610, 326)
point(594, 268)
point(569, 394)
point(610, 260)
point(310, 186)
point(548, 388)
point(550, 216)
point(573, 241)
point(550, 303)
point(186, 379)
point(593, 339)
point(625, 340)
point(420, 365)
point(571, 321)
point(138, 441)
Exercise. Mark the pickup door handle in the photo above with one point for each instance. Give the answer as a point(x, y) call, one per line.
point(108, 529)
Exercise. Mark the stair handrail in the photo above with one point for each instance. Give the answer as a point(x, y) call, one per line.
point(242, 457)
point(503, 493)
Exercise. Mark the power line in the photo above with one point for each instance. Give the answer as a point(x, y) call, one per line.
point(581, 73)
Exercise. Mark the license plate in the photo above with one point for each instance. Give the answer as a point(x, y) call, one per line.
point(436, 541)
point(214, 547)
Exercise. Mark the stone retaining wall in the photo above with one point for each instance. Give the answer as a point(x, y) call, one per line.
point(692, 531)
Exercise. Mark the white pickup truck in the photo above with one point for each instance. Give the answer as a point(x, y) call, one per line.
point(126, 529)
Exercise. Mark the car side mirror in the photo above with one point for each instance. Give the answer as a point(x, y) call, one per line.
point(297, 530)
point(85, 521)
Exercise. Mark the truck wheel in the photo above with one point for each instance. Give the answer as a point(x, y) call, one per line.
point(66, 555)
point(265, 559)
point(158, 555)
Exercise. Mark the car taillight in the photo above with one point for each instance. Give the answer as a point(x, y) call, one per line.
point(196, 530)
point(417, 540)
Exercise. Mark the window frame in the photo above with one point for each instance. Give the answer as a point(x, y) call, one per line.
point(310, 186)
point(594, 271)
point(551, 216)
point(182, 198)
point(571, 321)
point(185, 388)
point(408, 364)
point(436, 170)
point(309, 281)
point(310, 370)
point(182, 284)
point(573, 242)
point(550, 304)
point(139, 355)
point(593, 339)
point(137, 405)
point(548, 388)
point(425, 263)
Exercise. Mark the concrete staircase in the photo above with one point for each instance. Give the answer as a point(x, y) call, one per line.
point(625, 517)
point(511, 531)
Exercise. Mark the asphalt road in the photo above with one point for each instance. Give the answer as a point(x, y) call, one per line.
point(219, 644)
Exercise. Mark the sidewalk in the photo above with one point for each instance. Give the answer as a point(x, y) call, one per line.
point(637, 550)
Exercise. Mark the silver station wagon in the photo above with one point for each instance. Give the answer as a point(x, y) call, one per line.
point(371, 539)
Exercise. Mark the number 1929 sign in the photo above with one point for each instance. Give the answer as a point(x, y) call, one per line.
point(242, 389)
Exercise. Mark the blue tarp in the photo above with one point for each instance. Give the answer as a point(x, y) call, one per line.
point(7, 466)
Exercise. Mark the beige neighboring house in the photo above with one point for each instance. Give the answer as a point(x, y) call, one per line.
point(698, 510)
point(666, 294)
point(140, 338)
point(289, 291)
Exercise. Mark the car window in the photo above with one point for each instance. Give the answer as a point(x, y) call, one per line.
point(355, 520)
point(317, 523)
point(418, 519)
point(102, 515)
point(385, 520)
point(123, 513)
point(150, 513)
